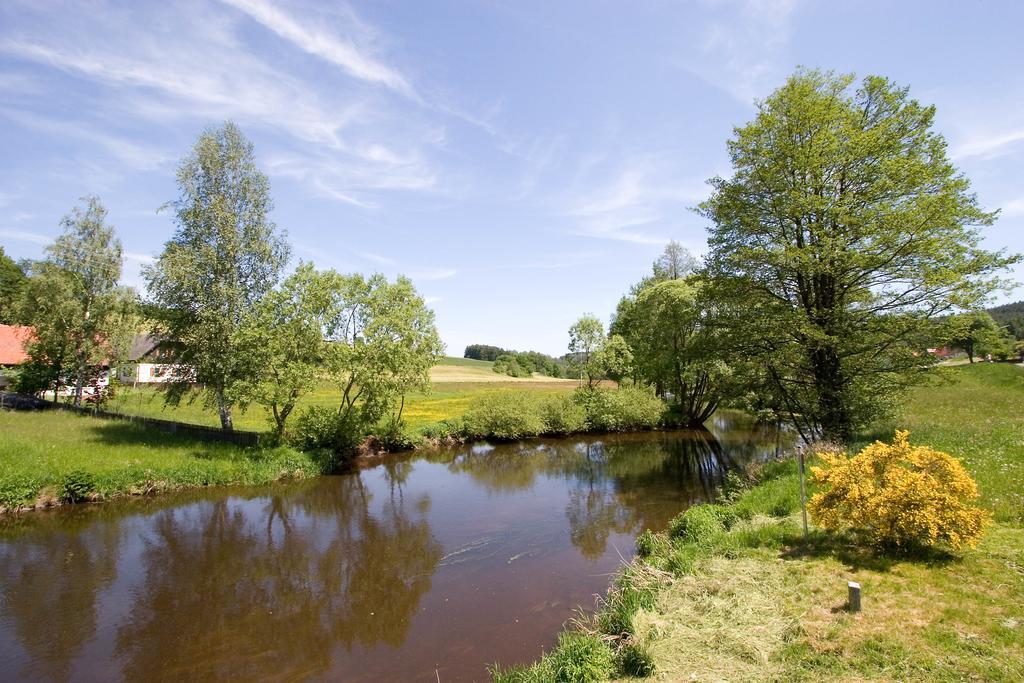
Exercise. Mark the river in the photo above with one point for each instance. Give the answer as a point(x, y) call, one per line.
point(427, 566)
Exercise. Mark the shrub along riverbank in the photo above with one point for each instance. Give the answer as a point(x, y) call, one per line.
point(733, 591)
point(53, 457)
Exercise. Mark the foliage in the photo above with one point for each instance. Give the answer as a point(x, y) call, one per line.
point(674, 263)
point(562, 414)
point(286, 336)
point(899, 495)
point(504, 415)
point(976, 334)
point(508, 364)
point(586, 338)
point(223, 258)
point(12, 282)
point(827, 292)
point(485, 352)
point(696, 524)
point(615, 358)
point(619, 410)
point(82, 319)
point(633, 659)
point(76, 486)
point(319, 427)
point(525, 363)
point(1011, 316)
point(675, 350)
point(381, 345)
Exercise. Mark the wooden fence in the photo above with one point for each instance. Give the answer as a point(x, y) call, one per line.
point(241, 438)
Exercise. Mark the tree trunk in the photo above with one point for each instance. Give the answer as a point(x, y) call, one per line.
point(79, 382)
point(224, 409)
point(834, 414)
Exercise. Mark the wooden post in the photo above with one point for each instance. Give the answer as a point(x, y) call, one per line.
point(803, 489)
point(853, 601)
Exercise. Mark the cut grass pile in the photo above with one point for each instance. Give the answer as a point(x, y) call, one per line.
point(744, 597)
point(50, 455)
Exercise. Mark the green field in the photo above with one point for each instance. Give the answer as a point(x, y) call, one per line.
point(467, 363)
point(455, 381)
point(39, 451)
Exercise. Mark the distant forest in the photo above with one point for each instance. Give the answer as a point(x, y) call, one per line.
point(1012, 316)
point(517, 363)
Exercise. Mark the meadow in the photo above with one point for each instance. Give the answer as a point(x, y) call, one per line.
point(752, 599)
point(456, 381)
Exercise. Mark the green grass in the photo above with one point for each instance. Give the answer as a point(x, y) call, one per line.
point(747, 598)
point(467, 362)
point(43, 453)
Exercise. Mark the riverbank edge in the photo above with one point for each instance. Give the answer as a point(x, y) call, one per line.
point(753, 536)
point(49, 492)
point(604, 644)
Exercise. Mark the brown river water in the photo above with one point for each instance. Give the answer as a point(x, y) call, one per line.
point(426, 567)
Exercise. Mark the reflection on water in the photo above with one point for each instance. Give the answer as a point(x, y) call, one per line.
point(426, 567)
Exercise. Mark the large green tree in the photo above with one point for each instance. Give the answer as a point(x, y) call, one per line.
point(12, 282)
point(843, 231)
point(225, 255)
point(74, 302)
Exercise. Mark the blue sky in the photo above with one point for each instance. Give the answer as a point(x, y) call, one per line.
point(523, 162)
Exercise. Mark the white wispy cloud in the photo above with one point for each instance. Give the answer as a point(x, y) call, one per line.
point(316, 40)
point(26, 236)
point(200, 65)
point(988, 144)
point(633, 204)
point(743, 47)
point(134, 155)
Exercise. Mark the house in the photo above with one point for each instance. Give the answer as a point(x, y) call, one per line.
point(12, 350)
point(150, 360)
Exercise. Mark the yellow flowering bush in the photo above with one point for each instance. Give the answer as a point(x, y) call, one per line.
point(899, 495)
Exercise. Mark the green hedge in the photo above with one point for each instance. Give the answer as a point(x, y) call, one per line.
point(515, 414)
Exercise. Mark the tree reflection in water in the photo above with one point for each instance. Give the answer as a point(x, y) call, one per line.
point(299, 581)
point(230, 594)
point(49, 593)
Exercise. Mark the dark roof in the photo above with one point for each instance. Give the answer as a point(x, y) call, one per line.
point(142, 346)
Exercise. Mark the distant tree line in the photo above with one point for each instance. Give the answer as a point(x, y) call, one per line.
point(1010, 316)
point(517, 363)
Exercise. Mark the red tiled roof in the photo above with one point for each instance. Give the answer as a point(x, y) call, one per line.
point(12, 344)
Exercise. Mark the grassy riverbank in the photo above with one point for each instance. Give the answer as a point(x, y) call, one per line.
point(738, 594)
point(49, 456)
